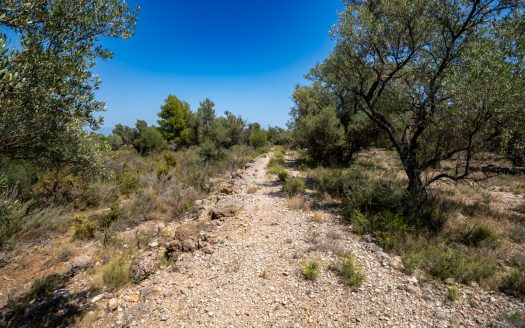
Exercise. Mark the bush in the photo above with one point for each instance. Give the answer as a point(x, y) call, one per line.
point(348, 270)
point(258, 138)
point(209, 150)
point(388, 228)
point(293, 186)
point(481, 235)
point(85, 228)
point(443, 262)
point(114, 213)
point(310, 270)
point(115, 273)
point(514, 284)
point(150, 139)
point(129, 182)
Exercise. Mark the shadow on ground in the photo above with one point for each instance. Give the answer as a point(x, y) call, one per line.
point(47, 304)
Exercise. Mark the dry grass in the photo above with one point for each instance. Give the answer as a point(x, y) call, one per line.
point(297, 203)
point(88, 319)
point(252, 190)
point(318, 217)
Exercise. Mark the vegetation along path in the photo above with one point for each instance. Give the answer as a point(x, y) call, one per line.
point(261, 248)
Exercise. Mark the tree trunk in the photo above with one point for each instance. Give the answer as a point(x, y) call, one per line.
point(416, 198)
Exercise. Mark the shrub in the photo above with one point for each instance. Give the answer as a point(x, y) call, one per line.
point(481, 235)
point(443, 262)
point(114, 213)
point(150, 139)
point(85, 228)
point(209, 150)
point(388, 228)
point(293, 186)
point(310, 270)
point(170, 159)
point(258, 138)
point(352, 275)
point(129, 182)
point(514, 284)
point(115, 273)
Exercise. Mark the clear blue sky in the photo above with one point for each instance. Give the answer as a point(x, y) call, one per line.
point(246, 56)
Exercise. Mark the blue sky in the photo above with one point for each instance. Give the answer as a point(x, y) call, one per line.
point(246, 56)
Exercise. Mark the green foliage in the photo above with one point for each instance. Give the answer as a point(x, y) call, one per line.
point(348, 270)
point(115, 141)
point(514, 283)
point(47, 87)
point(174, 119)
point(202, 122)
point(481, 235)
point(258, 138)
point(379, 74)
point(129, 182)
point(293, 186)
point(279, 136)
point(85, 228)
point(59, 186)
point(106, 220)
point(322, 135)
point(310, 270)
point(208, 150)
point(282, 175)
point(149, 139)
point(388, 228)
point(443, 262)
point(372, 196)
point(126, 134)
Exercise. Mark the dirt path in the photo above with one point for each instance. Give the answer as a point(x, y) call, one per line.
point(252, 277)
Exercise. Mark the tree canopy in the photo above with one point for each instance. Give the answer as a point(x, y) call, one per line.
point(441, 79)
point(47, 88)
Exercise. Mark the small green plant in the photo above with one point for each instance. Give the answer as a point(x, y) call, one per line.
point(85, 228)
point(348, 270)
point(263, 274)
point(452, 294)
point(310, 270)
point(293, 186)
point(115, 273)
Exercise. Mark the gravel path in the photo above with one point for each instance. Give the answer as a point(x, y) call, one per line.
point(251, 277)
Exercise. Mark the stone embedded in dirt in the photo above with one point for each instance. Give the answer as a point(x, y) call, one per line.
point(98, 298)
point(154, 244)
point(224, 211)
point(112, 304)
point(80, 263)
point(189, 245)
point(187, 231)
point(397, 263)
point(143, 266)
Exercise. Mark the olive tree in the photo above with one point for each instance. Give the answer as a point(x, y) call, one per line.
point(47, 88)
point(434, 76)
